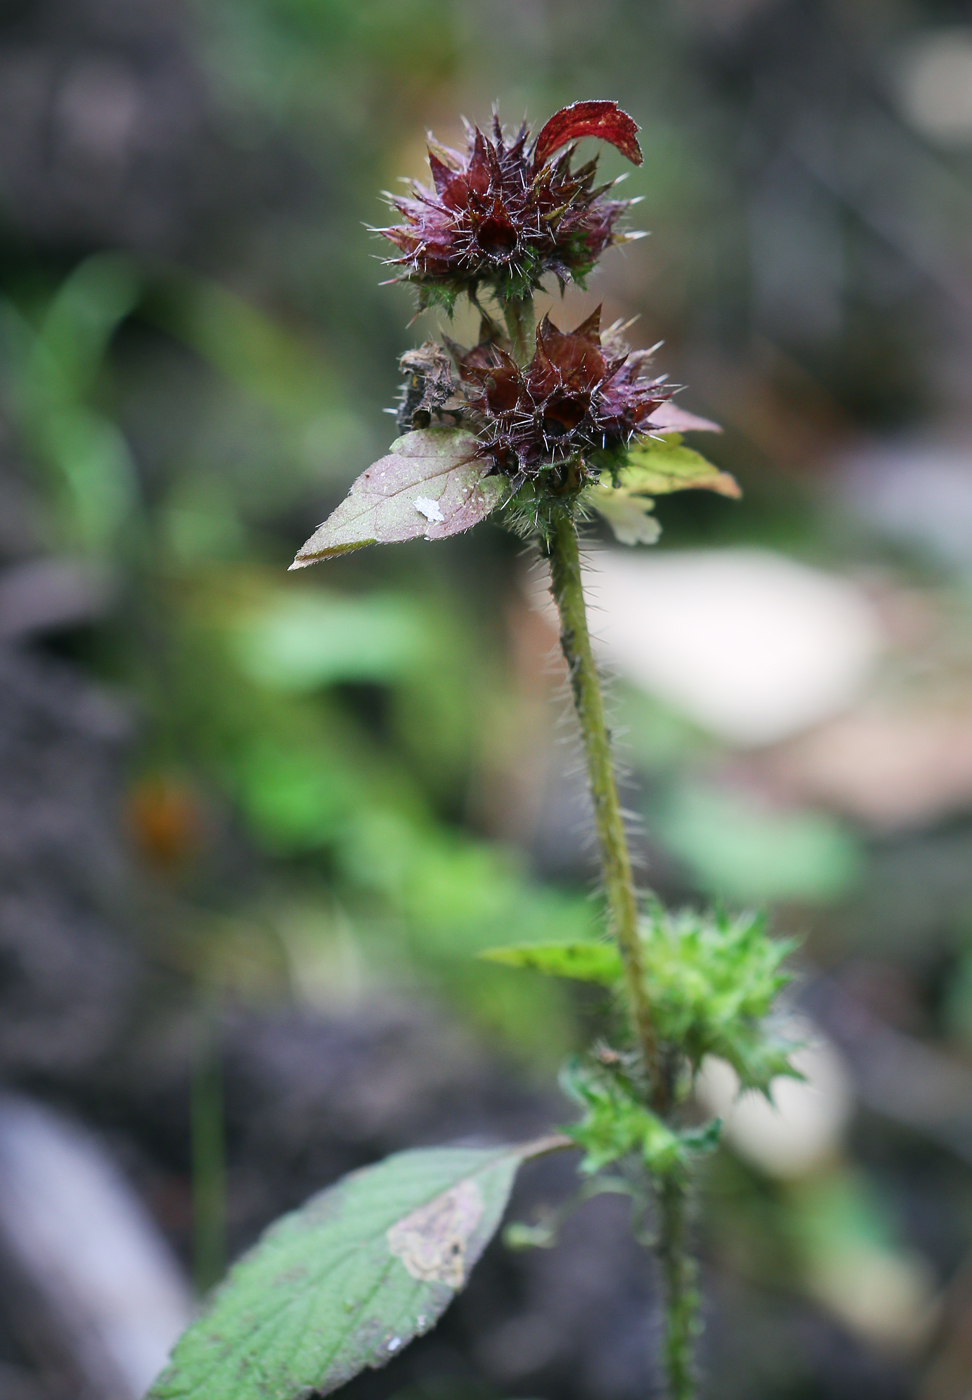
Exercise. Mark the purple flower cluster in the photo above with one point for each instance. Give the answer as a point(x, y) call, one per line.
point(576, 395)
point(506, 213)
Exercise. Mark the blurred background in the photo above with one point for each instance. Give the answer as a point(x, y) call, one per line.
point(254, 827)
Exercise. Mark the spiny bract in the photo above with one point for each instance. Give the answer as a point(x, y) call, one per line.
point(506, 213)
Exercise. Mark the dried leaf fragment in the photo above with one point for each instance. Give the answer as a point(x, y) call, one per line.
point(427, 386)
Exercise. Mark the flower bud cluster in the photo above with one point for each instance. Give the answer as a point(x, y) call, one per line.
point(506, 212)
point(498, 218)
point(576, 396)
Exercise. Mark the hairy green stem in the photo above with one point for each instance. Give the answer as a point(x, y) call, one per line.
point(679, 1270)
point(520, 327)
point(575, 640)
point(674, 1255)
point(563, 551)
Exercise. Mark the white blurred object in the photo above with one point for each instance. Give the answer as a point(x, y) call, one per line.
point(804, 1125)
point(891, 769)
point(752, 646)
point(936, 84)
point(88, 1251)
point(919, 493)
point(888, 1297)
point(880, 1290)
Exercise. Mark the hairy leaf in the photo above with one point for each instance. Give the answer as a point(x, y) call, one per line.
point(350, 1278)
point(616, 1124)
point(668, 417)
point(656, 468)
point(431, 483)
point(586, 962)
point(605, 120)
point(628, 513)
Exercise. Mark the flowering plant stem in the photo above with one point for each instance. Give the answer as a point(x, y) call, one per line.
point(543, 423)
point(520, 326)
point(677, 1265)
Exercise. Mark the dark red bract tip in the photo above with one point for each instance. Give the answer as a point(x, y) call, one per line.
point(605, 120)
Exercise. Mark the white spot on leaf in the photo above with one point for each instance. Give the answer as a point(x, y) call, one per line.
point(429, 508)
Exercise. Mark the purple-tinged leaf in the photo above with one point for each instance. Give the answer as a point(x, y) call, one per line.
point(669, 418)
point(431, 483)
point(605, 120)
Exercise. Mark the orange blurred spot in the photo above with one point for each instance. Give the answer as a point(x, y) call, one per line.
point(165, 821)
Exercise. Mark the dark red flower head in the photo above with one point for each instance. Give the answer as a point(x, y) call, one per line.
point(576, 396)
point(505, 214)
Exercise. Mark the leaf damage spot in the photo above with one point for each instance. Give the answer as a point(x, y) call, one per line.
point(429, 508)
point(431, 1241)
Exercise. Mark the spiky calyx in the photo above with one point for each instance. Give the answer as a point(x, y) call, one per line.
point(506, 212)
point(579, 394)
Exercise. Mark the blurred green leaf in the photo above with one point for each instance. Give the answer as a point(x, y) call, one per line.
point(585, 962)
point(312, 639)
point(745, 852)
point(278, 365)
point(84, 314)
point(54, 370)
point(957, 1001)
point(629, 516)
point(297, 799)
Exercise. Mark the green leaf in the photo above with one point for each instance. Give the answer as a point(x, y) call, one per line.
point(616, 1124)
point(432, 483)
point(703, 1139)
point(349, 1279)
point(657, 468)
point(628, 514)
point(432, 294)
point(586, 962)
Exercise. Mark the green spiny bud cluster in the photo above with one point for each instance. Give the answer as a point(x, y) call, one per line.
point(713, 983)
